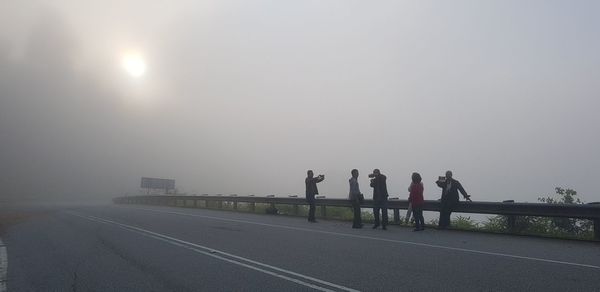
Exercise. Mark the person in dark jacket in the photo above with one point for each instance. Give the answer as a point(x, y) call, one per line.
point(415, 198)
point(449, 201)
point(355, 197)
point(311, 191)
point(380, 197)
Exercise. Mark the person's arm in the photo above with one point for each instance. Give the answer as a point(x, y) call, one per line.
point(440, 184)
point(354, 188)
point(385, 189)
point(463, 192)
point(319, 179)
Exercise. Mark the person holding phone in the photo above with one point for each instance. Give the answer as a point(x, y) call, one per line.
point(450, 188)
point(311, 192)
point(380, 198)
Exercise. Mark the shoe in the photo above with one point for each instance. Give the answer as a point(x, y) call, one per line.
point(416, 229)
point(357, 227)
point(375, 226)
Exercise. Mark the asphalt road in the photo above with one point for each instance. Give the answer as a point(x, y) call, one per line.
point(142, 248)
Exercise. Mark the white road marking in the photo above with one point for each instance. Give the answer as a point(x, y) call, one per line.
point(379, 239)
point(3, 266)
point(221, 255)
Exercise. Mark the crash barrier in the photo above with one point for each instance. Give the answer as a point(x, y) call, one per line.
point(510, 209)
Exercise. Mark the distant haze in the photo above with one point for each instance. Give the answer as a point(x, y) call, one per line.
point(244, 96)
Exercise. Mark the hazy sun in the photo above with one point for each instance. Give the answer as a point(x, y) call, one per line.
point(134, 64)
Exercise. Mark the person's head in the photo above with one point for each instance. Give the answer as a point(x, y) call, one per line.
point(310, 173)
point(354, 172)
point(376, 171)
point(448, 174)
point(416, 177)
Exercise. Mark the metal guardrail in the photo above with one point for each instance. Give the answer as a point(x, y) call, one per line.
point(511, 209)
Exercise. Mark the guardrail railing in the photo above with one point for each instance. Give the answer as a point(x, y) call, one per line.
point(507, 208)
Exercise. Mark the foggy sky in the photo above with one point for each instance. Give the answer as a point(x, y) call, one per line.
point(244, 96)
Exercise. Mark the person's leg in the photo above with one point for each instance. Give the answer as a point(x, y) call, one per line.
point(376, 215)
point(311, 211)
point(444, 215)
point(384, 214)
point(408, 213)
point(449, 209)
point(353, 208)
point(445, 220)
point(356, 220)
point(418, 214)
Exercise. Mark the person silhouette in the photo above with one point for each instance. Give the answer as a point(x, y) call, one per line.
point(416, 200)
point(311, 191)
point(380, 198)
point(450, 188)
point(355, 197)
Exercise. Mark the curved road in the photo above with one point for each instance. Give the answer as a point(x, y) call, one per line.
point(142, 248)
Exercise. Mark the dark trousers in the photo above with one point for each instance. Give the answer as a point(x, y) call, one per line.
point(418, 215)
point(381, 205)
point(357, 221)
point(311, 209)
point(445, 212)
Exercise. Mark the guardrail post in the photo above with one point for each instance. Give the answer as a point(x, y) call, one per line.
point(396, 215)
point(596, 222)
point(235, 205)
point(511, 220)
point(323, 211)
point(252, 207)
point(206, 204)
point(296, 210)
point(220, 204)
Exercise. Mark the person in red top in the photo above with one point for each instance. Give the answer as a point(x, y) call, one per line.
point(416, 200)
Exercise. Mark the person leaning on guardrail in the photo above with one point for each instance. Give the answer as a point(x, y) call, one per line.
point(450, 188)
point(416, 201)
point(311, 191)
point(356, 197)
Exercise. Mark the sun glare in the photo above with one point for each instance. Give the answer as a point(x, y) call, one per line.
point(134, 64)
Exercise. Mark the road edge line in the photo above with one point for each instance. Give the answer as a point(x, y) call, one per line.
point(237, 260)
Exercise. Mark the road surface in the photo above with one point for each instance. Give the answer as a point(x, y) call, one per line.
point(149, 248)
